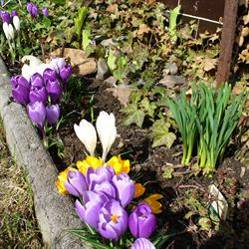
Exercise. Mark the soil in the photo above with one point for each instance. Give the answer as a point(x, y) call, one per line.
point(135, 144)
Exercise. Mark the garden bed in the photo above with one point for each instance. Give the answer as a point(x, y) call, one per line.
point(184, 192)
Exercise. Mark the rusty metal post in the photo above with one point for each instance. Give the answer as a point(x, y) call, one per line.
point(227, 42)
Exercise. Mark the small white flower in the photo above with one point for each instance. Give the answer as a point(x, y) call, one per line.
point(16, 22)
point(107, 131)
point(86, 133)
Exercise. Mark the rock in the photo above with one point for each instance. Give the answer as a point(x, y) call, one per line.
point(122, 93)
point(171, 81)
point(108, 42)
point(170, 68)
point(82, 64)
point(102, 69)
point(111, 81)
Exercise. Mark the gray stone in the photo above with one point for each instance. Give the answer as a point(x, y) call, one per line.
point(172, 81)
point(102, 69)
point(55, 214)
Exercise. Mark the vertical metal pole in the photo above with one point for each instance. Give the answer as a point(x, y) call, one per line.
point(227, 41)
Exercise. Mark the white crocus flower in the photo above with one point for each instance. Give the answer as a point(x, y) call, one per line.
point(6, 30)
point(107, 131)
point(32, 65)
point(16, 22)
point(86, 133)
point(11, 32)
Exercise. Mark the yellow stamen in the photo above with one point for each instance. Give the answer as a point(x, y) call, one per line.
point(114, 218)
point(119, 165)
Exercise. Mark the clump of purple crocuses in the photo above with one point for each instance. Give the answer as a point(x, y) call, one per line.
point(33, 10)
point(103, 199)
point(41, 92)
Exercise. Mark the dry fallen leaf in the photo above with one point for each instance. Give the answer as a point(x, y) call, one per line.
point(113, 8)
point(209, 64)
point(122, 93)
point(81, 63)
point(143, 29)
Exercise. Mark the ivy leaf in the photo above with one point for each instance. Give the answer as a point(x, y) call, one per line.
point(111, 60)
point(161, 134)
point(148, 107)
point(173, 22)
point(134, 116)
point(86, 37)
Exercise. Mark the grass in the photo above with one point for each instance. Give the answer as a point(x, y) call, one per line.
point(18, 225)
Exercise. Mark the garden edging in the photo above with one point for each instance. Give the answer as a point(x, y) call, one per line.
point(54, 214)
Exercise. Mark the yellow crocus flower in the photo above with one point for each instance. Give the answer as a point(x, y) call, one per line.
point(62, 178)
point(119, 165)
point(153, 202)
point(90, 161)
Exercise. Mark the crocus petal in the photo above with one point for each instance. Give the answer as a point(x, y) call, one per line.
point(16, 22)
point(37, 113)
point(6, 30)
point(142, 243)
point(86, 133)
point(107, 131)
point(11, 32)
point(53, 114)
point(125, 188)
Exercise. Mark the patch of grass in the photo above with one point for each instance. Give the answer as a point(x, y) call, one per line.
point(18, 225)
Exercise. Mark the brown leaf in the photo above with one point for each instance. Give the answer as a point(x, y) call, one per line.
point(113, 8)
point(122, 93)
point(143, 29)
point(81, 63)
point(209, 64)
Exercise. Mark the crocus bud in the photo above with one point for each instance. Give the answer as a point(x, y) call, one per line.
point(36, 80)
point(125, 188)
point(5, 16)
point(142, 222)
point(66, 72)
point(20, 89)
point(86, 133)
point(37, 113)
point(57, 64)
point(49, 74)
point(11, 32)
point(107, 131)
point(54, 90)
point(32, 8)
point(16, 22)
point(112, 220)
point(142, 243)
point(53, 114)
point(45, 11)
point(38, 94)
point(76, 183)
point(14, 13)
point(89, 209)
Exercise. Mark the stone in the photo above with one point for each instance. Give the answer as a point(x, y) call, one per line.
point(102, 69)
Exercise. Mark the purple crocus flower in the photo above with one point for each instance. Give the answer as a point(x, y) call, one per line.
point(38, 94)
point(66, 72)
point(14, 13)
point(53, 114)
point(5, 16)
point(88, 211)
point(36, 80)
point(37, 113)
point(45, 11)
point(49, 75)
point(20, 89)
point(142, 222)
point(125, 188)
point(57, 64)
point(113, 220)
point(32, 8)
point(99, 175)
point(76, 183)
point(54, 90)
point(2, 2)
point(142, 243)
